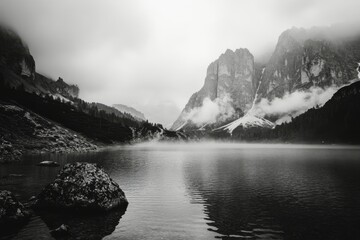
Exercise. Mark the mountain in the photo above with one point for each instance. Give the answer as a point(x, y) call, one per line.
point(132, 111)
point(38, 114)
point(229, 78)
point(303, 58)
point(336, 122)
point(116, 112)
point(310, 57)
point(18, 69)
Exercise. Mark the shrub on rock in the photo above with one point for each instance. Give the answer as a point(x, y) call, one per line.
point(82, 186)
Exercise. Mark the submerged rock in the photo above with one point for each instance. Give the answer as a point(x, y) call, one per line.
point(62, 231)
point(48, 164)
point(82, 186)
point(12, 212)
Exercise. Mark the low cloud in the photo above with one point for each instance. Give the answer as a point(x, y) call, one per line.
point(211, 111)
point(294, 104)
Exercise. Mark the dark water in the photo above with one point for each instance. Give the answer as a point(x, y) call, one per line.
point(208, 191)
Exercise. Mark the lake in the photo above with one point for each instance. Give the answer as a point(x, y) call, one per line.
point(210, 191)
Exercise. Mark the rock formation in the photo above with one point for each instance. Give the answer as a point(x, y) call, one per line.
point(12, 212)
point(305, 58)
point(302, 58)
point(82, 186)
point(18, 68)
point(231, 76)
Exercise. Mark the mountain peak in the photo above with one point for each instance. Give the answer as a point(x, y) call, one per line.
point(228, 84)
point(303, 58)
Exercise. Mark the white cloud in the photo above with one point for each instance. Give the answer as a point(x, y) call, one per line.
point(211, 111)
point(294, 104)
point(125, 51)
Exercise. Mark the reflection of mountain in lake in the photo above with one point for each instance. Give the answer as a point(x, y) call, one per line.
point(272, 194)
point(91, 226)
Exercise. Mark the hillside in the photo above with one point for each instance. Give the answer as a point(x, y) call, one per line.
point(38, 114)
point(129, 110)
point(336, 122)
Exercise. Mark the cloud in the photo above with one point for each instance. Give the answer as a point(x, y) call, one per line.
point(294, 104)
point(164, 112)
point(211, 111)
point(141, 51)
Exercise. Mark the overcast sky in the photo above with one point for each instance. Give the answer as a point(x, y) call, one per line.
point(153, 54)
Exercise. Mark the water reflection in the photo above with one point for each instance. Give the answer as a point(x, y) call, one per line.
point(272, 194)
point(91, 226)
point(212, 191)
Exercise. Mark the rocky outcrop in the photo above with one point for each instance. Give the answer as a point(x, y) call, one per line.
point(18, 68)
point(12, 212)
point(82, 186)
point(230, 77)
point(8, 152)
point(305, 58)
point(23, 131)
point(15, 54)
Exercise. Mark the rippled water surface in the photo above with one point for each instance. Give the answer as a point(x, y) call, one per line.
point(208, 191)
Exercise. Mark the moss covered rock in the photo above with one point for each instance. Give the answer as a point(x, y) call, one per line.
point(82, 186)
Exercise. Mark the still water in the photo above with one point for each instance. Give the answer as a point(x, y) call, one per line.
point(210, 191)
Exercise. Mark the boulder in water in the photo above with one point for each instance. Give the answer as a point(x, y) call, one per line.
point(48, 164)
point(12, 212)
point(82, 186)
point(62, 231)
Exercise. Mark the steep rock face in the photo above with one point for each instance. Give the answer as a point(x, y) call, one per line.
point(230, 76)
point(45, 85)
point(17, 68)
point(65, 89)
point(305, 58)
point(15, 54)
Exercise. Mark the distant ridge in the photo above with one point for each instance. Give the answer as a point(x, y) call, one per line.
point(130, 110)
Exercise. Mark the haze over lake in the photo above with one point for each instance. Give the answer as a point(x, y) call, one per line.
point(212, 190)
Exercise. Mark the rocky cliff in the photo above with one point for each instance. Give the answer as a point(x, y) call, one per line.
point(230, 79)
point(302, 58)
point(305, 58)
point(17, 69)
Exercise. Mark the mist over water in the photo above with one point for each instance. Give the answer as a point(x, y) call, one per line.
point(211, 190)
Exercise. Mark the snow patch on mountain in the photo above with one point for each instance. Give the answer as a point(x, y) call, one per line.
point(247, 121)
